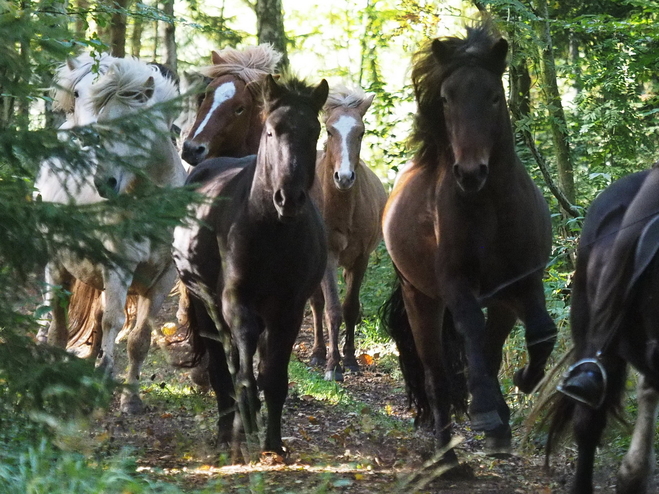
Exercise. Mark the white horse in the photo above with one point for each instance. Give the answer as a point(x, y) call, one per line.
point(147, 269)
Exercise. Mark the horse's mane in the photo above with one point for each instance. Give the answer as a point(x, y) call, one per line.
point(70, 73)
point(125, 78)
point(428, 74)
point(297, 90)
point(249, 64)
point(344, 97)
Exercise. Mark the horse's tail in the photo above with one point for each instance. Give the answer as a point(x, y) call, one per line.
point(85, 313)
point(394, 318)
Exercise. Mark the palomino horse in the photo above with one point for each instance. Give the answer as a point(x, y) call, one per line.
point(146, 267)
point(466, 228)
point(351, 199)
point(254, 259)
point(228, 121)
point(615, 322)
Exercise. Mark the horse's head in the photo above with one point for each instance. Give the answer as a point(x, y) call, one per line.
point(287, 152)
point(474, 107)
point(228, 119)
point(72, 90)
point(134, 122)
point(223, 119)
point(345, 110)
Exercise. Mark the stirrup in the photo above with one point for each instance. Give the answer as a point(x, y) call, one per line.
point(580, 385)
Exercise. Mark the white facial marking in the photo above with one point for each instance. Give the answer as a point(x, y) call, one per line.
point(343, 126)
point(222, 93)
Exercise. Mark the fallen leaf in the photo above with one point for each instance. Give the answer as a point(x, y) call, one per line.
point(366, 359)
point(168, 329)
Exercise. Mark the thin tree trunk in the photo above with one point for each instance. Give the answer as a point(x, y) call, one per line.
point(557, 121)
point(118, 29)
point(136, 38)
point(270, 27)
point(170, 36)
point(81, 18)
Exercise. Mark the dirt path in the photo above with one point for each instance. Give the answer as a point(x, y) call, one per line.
point(369, 447)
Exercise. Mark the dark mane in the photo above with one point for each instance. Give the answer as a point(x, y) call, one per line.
point(297, 91)
point(428, 74)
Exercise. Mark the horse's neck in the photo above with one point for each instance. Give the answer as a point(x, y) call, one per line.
point(168, 169)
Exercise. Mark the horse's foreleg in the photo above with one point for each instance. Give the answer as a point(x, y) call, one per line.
point(353, 277)
point(635, 475)
point(425, 318)
point(139, 339)
point(500, 321)
point(540, 336)
point(333, 319)
point(275, 351)
point(318, 352)
point(57, 280)
point(245, 331)
point(470, 322)
point(116, 285)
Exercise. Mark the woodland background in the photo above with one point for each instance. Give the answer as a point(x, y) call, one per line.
point(582, 86)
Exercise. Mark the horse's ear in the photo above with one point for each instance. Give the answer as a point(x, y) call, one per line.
point(272, 91)
point(366, 104)
point(319, 95)
point(149, 88)
point(72, 63)
point(216, 58)
point(499, 52)
point(440, 50)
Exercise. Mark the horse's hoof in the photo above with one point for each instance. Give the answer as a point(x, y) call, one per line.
point(351, 365)
point(485, 421)
point(498, 443)
point(586, 387)
point(334, 375)
point(525, 381)
point(459, 471)
point(131, 404)
point(317, 361)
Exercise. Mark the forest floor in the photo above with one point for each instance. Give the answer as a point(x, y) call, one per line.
point(361, 440)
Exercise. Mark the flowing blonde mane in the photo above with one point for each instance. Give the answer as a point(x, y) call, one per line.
point(344, 97)
point(70, 73)
point(126, 79)
point(250, 64)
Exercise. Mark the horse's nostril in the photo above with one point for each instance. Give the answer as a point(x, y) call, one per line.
point(200, 150)
point(352, 176)
point(279, 198)
point(301, 198)
point(456, 170)
point(483, 170)
point(112, 183)
point(336, 176)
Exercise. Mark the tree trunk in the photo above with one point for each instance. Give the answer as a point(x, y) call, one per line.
point(170, 36)
point(136, 38)
point(557, 120)
point(118, 29)
point(270, 27)
point(81, 19)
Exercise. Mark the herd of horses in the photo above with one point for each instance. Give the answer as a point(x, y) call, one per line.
point(468, 232)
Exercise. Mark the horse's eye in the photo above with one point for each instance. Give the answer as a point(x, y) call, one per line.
point(76, 94)
point(240, 110)
point(496, 100)
point(330, 133)
point(361, 136)
point(269, 133)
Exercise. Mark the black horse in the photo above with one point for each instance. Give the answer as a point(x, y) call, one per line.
point(466, 228)
point(254, 259)
point(614, 322)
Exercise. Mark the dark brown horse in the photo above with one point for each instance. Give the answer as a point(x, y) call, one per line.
point(228, 120)
point(615, 322)
point(351, 199)
point(256, 259)
point(467, 229)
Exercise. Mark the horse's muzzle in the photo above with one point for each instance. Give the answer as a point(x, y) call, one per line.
point(106, 186)
point(193, 152)
point(289, 204)
point(471, 179)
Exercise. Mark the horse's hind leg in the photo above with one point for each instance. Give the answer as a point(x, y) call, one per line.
point(589, 423)
point(57, 280)
point(351, 308)
point(500, 321)
point(540, 334)
point(333, 320)
point(635, 475)
point(318, 352)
